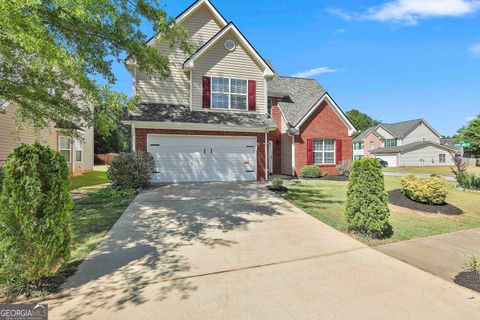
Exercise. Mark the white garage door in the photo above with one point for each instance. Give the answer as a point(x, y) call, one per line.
point(202, 159)
point(392, 160)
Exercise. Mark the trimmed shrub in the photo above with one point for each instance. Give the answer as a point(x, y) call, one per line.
point(131, 170)
point(366, 209)
point(35, 216)
point(311, 171)
point(277, 184)
point(431, 190)
point(344, 167)
point(1, 179)
point(468, 180)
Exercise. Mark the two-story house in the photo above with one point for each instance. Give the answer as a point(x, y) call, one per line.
point(224, 114)
point(407, 143)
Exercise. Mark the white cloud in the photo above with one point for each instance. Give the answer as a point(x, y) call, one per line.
point(475, 50)
point(341, 14)
point(410, 11)
point(314, 72)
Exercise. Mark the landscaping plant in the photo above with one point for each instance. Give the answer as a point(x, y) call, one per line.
point(311, 171)
point(460, 167)
point(277, 184)
point(131, 170)
point(366, 209)
point(1, 179)
point(35, 216)
point(469, 180)
point(432, 190)
point(344, 167)
point(473, 265)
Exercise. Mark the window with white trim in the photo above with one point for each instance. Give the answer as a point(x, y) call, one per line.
point(372, 145)
point(357, 157)
point(442, 158)
point(78, 150)
point(229, 93)
point(391, 142)
point(64, 147)
point(324, 151)
point(269, 107)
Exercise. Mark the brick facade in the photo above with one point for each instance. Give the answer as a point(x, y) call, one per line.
point(275, 137)
point(141, 142)
point(377, 143)
point(322, 124)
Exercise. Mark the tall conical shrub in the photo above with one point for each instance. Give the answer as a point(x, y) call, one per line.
point(367, 202)
point(35, 216)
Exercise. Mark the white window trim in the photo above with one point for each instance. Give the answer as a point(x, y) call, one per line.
point(323, 151)
point(81, 151)
point(229, 94)
point(69, 149)
point(440, 158)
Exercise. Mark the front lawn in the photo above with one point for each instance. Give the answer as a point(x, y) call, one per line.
point(325, 200)
point(445, 171)
point(96, 177)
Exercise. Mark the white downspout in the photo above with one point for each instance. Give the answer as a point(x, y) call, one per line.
point(266, 155)
point(293, 155)
point(133, 138)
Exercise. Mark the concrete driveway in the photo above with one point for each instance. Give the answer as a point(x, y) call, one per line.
point(236, 251)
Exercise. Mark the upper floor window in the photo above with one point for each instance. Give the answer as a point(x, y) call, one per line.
point(229, 93)
point(391, 142)
point(358, 146)
point(64, 146)
point(324, 151)
point(442, 158)
point(372, 145)
point(269, 107)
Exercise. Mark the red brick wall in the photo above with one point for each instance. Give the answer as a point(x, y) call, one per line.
point(275, 136)
point(141, 142)
point(322, 124)
point(366, 144)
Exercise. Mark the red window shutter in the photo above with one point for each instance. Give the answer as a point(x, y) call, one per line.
point(252, 95)
point(206, 92)
point(338, 150)
point(309, 151)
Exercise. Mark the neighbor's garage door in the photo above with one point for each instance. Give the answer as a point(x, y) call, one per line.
point(392, 160)
point(201, 159)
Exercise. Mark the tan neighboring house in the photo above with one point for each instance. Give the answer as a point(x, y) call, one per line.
point(77, 152)
point(403, 144)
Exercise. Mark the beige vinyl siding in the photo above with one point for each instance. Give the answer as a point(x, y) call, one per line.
point(430, 154)
point(88, 153)
point(286, 144)
point(10, 137)
point(421, 133)
point(219, 62)
point(201, 27)
point(384, 133)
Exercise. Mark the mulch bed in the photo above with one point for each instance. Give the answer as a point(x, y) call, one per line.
point(397, 198)
point(328, 178)
point(468, 279)
point(279, 190)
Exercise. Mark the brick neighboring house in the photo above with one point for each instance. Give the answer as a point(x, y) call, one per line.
point(78, 153)
point(224, 114)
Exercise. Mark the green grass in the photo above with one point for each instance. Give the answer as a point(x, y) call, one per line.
point(325, 200)
point(446, 171)
point(97, 177)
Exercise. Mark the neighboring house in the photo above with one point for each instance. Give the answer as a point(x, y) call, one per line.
point(78, 153)
point(224, 114)
point(407, 143)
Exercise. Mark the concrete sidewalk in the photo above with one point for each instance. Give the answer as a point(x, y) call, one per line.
point(443, 255)
point(237, 251)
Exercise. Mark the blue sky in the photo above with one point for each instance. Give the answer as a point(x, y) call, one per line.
point(395, 60)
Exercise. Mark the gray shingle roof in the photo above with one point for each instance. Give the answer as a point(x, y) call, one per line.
point(410, 146)
point(401, 129)
point(365, 133)
point(302, 95)
point(181, 114)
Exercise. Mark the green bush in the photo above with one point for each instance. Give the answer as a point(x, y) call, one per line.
point(366, 209)
point(431, 190)
point(468, 180)
point(131, 170)
point(1, 179)
point(311, 171)
point(277, 184)
point(35, 216)
point(118, 193)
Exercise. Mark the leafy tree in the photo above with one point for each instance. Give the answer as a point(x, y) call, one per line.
point(35, 216)
point(111, 135)
point(360, 120)
point(54, 54)
point(367, 210)
point(471, 134)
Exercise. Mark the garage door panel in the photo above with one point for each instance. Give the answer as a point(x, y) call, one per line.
point(391, 160)
point(202, 159)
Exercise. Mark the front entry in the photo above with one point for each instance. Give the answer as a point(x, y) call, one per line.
point(181, 158)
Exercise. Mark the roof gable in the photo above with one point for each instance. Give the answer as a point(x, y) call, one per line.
point(230, 28)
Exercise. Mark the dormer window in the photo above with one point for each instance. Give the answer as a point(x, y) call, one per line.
point(229, 93)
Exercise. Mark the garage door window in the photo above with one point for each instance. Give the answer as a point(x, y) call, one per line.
point(229, 93)
point(324, 151)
